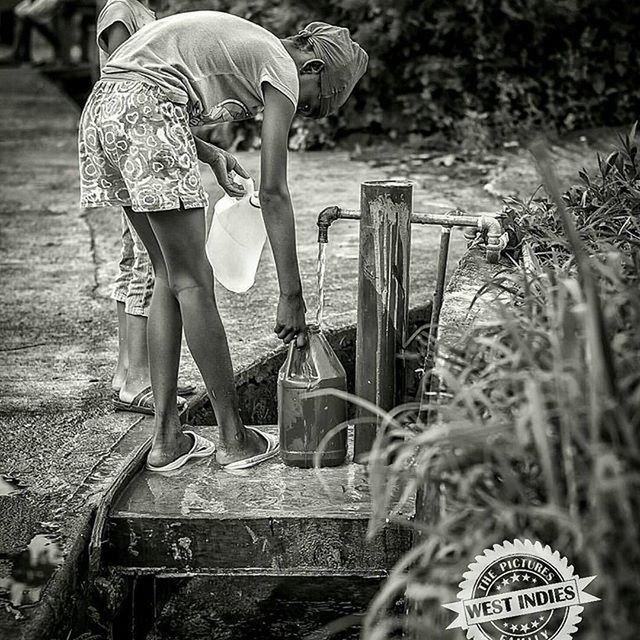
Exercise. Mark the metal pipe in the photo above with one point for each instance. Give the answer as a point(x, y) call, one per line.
point(452, 218)
point(438, 296)
point(383, 301)
point(496, 241)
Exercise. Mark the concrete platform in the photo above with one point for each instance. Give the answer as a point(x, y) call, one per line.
point(270, 520)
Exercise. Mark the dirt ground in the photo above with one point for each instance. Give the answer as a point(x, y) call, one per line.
point(57, 323)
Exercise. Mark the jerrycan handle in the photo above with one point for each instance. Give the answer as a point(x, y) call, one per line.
point(298, 362)
point(292, 363)
point(247, 183)
point(249, 191)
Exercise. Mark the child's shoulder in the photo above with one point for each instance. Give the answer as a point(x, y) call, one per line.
point(124, 5)
point(133, 13)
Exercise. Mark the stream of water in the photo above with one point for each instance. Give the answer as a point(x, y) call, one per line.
point(320, 273)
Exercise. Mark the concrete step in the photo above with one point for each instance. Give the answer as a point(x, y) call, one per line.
point(269, 520)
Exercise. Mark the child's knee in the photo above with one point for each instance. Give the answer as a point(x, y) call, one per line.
point(191, 281)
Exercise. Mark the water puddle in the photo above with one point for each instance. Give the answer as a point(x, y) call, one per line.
point(31, 571)
point(320, 273)
point(10, 486)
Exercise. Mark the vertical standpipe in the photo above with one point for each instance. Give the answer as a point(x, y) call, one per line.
point(383, 301)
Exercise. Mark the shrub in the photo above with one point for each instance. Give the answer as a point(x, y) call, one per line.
point(537, 435)
point(506, 65)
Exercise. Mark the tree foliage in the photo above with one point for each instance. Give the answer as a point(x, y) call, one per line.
point(498, 65)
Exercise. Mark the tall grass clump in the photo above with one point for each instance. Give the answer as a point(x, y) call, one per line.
point(537, 428)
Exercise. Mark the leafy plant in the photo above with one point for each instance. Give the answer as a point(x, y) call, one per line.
point(536, 435)
point(477, 70)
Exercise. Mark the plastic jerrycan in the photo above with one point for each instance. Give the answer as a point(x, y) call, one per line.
point(236, 239)
point(304, 422)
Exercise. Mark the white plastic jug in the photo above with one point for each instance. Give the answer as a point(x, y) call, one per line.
point(236, 239)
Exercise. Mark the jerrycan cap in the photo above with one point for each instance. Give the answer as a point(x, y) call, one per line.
point(250, 190)
point(313, 328)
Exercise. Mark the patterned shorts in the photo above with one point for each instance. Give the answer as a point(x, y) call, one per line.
point(136, 150)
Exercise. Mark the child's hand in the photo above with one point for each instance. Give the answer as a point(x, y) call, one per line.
point(223, 163)
point(290, 321)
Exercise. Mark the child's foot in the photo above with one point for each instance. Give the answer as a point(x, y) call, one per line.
point(119, 377)
point(251, 444)
point(129, 389)
point(165, 451)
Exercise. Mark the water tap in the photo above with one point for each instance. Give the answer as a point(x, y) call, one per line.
point(496, 237)
point(326, 217)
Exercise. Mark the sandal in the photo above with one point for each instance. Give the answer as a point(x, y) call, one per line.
point(201, 448)
point(272, 450)
point(183, 390)
point(143, 403)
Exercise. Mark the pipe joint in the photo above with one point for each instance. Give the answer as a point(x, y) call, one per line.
point(325, 219)
point(328, 216)
point(496, 238)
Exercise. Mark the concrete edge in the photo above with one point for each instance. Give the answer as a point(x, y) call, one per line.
point(63, 604)
point(462, 308)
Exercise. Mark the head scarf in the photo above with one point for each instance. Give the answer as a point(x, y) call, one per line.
point(345, 62)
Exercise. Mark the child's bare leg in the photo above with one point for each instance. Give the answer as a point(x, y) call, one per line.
point(181, 235)
point(137, 375)
point(164, 334)
point(138, 292)
point(164, 331)
point(123, 361)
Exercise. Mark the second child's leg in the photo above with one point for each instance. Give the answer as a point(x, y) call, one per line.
point(120, 292)
point(120, 373)
point(137, 377)
point(138, 301)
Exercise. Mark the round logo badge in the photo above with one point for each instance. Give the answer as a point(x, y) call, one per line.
point(520, 590)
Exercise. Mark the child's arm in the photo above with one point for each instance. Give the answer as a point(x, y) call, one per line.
point(278, 214)
point(114, 35)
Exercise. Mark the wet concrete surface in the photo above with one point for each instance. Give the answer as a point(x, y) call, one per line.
point(202, 489)
point(271, 519)
point(57, 325)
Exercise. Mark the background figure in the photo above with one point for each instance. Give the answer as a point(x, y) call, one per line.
point(118, 20)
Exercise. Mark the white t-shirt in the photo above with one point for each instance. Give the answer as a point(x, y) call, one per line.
point(133, 15)
point(215, 63)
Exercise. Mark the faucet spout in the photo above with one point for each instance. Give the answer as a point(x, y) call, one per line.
point(328, 216)
point(325, 218)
